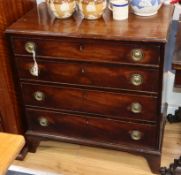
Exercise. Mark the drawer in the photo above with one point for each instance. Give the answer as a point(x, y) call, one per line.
point(95, 130)
point(91, 74)
point(87, 50)
point(105, 104)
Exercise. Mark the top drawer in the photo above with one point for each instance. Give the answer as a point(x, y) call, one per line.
point(90, 50)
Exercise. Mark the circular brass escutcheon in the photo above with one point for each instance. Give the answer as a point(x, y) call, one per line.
point(136, 135)
point(136, 79)
point(137, 54)
point(39, 96)
point(30, 47)
point(136, 107)
point(43, 121)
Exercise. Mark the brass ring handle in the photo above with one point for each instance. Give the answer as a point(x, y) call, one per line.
point(137, 54)
point(39, 96)
point(136, 107)
point(136, 135)
point(136, 79)
point(30, 47)
point(43, 122)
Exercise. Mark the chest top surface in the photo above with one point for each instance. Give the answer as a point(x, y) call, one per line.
point(41, 22)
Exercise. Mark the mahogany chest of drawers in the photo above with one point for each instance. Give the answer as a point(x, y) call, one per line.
point(99, 82)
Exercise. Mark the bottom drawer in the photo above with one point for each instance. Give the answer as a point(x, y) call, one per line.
point(91, 129)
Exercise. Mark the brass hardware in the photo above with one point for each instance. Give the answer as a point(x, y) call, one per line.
point(43, 121)
point(30, 47)
point(137, 54)
point(136, 79)
point(136, 107)
point(81, 48)
point(39, 96)
point(82, 70)
point(33, 71)
point(136, 135)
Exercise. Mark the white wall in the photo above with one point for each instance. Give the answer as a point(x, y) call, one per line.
point(177, 12)
point(39, 1)
point(172, 95)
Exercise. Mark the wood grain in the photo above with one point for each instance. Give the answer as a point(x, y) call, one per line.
point(136, 28)
point(92, 130)
point(10, 11)
point(88, 49)
point(92, 75)
point(9, 148)
point(70, 159)
point(109, 43)
point(1, 124)
point(116, 105)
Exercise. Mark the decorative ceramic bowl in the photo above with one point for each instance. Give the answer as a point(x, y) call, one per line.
point(145, 7)
point(92, 9)
point(62, 8)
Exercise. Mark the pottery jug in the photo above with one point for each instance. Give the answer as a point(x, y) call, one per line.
point(62, 8)
point(145, 7)
point(92, 9)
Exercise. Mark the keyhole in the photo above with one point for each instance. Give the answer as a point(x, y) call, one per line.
point(83, 71)
point(81, 48)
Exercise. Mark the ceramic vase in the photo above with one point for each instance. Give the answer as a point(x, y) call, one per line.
point(145, 7)
point(62, 8)
point(92, 9)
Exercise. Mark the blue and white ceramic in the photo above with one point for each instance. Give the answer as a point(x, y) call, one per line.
point(145, 7)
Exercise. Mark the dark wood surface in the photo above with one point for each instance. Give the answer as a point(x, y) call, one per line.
point(136, 28)
point(107, 104)
point(10, 11)
point(85, 69)
point(91, 129)
point(97, 75)
point(89, 50)
point(1, 128)
point(1, 124)
point(177, 82)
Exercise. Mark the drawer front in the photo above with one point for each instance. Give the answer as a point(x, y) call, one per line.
point(91, 74)
point(106, 104)
point(91, 129)
point(99, 50)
